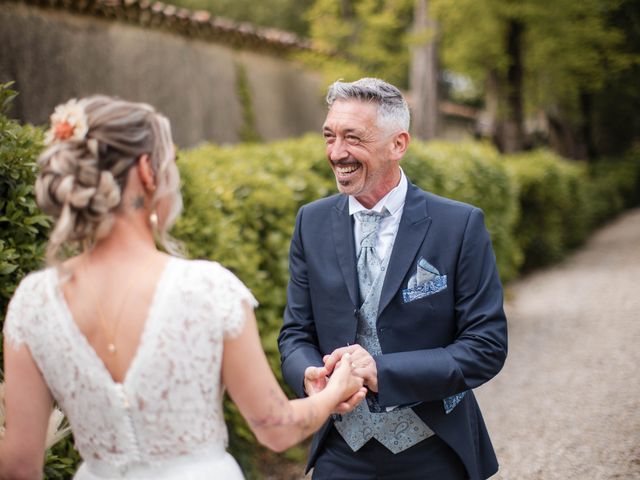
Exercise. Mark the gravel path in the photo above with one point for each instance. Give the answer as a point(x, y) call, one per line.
point(567, 404)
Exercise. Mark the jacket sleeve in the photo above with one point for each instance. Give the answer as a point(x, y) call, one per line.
point(479, 348)
point(298, 341)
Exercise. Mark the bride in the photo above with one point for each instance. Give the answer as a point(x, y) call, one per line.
point(135, 345)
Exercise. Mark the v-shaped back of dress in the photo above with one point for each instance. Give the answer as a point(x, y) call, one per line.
point(153, 313)
point(170, 404)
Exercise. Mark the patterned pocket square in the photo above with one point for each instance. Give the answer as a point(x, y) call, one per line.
point(426, 281)
point(451, 402)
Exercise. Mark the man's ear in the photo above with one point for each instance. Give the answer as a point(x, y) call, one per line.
point(145, 173)
point(400, 144)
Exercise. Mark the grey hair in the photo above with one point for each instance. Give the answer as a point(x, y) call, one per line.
point(393, 111)
point(81, 181)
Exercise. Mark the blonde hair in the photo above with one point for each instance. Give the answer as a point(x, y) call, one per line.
point(82, 180)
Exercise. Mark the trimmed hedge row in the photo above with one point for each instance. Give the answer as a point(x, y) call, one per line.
point(241, 202)
point(553, 202)
point(562, 201)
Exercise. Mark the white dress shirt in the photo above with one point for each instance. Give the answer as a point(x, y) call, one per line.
point(393, 202)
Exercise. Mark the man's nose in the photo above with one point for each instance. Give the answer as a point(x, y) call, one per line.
point(338, 150)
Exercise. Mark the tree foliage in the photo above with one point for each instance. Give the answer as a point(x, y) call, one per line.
point(366, 37)
point(569, 50)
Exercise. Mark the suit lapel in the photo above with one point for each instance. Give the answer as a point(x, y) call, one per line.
point(345, 247)
point(412, 231)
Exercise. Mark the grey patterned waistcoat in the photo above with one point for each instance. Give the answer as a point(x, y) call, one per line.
point(398, 429)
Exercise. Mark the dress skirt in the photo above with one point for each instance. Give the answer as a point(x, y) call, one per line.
point(189, 467)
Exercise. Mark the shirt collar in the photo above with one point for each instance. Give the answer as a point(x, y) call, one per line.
point(392, 201)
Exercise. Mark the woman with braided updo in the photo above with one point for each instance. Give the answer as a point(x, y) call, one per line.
point(134, 344)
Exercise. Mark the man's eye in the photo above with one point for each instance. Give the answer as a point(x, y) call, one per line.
point(328, 138)
point(352, 139)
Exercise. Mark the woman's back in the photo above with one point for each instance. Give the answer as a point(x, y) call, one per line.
point(168, 404)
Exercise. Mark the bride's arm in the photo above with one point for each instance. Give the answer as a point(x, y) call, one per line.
point(277, 422)
point(28, 404)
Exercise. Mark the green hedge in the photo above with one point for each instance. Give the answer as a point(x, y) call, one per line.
point(562, 201)
point(473, 173)
point(554, 204)
point(241, 202)
point(23, 229)
point(615, 185)
point(23, 234)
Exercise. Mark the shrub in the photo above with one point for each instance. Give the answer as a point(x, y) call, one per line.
point(614, 185)
point(554, 204)
point(473, 173)
point(23, 237)
point(23, 228)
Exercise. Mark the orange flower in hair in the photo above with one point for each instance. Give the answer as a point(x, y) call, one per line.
point(68, 122)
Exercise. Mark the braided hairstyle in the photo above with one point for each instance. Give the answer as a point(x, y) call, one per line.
point(93, 144)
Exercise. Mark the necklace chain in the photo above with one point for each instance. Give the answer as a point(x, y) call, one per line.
point(110, 333)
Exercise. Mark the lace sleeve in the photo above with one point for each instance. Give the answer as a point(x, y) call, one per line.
point(14, 329)
point(230, 295)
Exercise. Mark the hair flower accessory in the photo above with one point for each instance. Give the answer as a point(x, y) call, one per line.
point(68, 122)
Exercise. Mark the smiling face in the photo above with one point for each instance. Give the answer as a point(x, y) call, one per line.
point(363, 156)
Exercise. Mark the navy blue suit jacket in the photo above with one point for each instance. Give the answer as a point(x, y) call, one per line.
point(434, 347)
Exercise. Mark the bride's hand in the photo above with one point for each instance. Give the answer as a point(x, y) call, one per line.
point(348, 386)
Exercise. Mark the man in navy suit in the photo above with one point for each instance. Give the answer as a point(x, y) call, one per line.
point(406, 282)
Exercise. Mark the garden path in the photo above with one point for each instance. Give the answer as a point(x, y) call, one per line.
point(567, 403)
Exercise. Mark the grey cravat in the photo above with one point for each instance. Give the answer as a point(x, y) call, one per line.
point(368, 263)
point(399, 429)
point(369, 268)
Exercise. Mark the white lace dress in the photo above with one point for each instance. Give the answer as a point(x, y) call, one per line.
point(165, 420)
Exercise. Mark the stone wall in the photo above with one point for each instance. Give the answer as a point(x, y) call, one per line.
point(53, 55)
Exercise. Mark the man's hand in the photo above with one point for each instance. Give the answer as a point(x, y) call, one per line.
point(315, 379)
point(363, 364)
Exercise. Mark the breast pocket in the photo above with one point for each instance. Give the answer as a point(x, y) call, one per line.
point(423, 290)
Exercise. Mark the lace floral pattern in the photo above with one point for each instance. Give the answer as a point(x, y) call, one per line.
point(169, 403)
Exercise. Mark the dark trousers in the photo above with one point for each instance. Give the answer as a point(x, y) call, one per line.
point(431, 459)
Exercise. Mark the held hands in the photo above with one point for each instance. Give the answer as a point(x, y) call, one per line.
point(348, 385)
point(362, 363)
point(354, 359)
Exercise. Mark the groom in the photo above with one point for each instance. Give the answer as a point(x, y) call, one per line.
point(406, 282)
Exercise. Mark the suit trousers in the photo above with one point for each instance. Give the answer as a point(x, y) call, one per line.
point(431, 459)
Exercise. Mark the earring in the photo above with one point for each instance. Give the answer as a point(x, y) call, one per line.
point(153, 220)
